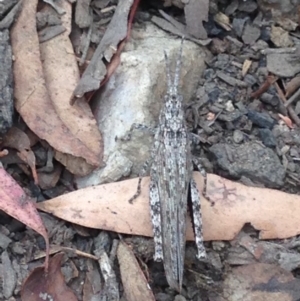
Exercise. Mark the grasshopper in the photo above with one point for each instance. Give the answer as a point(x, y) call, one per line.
point(171, 179)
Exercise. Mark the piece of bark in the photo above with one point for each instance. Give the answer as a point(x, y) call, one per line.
point(6, 83)
point(115, 32)
point(8, 20)
point(196, 11)
point(82, 13)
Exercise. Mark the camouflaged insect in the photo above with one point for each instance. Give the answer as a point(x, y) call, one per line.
point(170, 180)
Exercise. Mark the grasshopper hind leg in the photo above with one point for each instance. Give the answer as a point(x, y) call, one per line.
point(197, 220)
point(156, 221)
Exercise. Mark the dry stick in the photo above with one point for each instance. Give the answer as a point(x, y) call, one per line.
point(293, 115)
point(294, 97)
point(291, 111)
point(86, 45)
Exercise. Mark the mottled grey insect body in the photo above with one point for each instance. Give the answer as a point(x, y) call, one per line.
point(171, 168)
point(170, 180)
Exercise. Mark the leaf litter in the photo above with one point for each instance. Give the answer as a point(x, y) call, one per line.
point(234, 204)
point(35, 87)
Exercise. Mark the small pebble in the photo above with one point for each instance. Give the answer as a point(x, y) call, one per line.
point(294, 152)
point(218, 245)
point(285, 149)
point(250, 79)
point(179, 298)
point(163, 297)
point(267, 137)
point(291, 166)
point(229, 106)
point(238, 136)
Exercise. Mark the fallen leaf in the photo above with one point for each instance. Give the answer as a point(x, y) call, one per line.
point(260, 281)
point(196, 11)
point(286, 120)
point(246, 65)
point(40, 285)
point(134, 282)
point(17, 204)
point(107, 207)
point(62, 76)
point(32, 99)
point(292, 86)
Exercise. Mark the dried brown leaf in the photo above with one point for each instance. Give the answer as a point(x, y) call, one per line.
point(62, 76)
point(134, 282)
point(41, 285)
point(107, 207)
point(260, 281)
point(29, 158)
point(16, 139)
point(32, 98)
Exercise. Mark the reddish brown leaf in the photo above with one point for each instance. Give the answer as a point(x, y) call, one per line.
point(41, 285)
point(17, 204)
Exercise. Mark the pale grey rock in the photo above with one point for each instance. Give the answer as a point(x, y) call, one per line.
point(135, 94)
